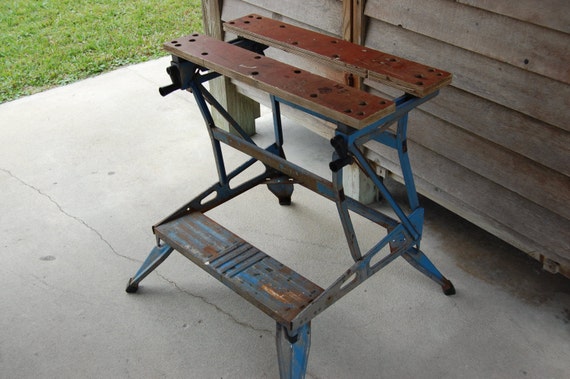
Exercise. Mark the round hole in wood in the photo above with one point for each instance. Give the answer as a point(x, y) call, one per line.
point(334, 41)
point(431, 70)
point(231, 23)
point(420, 83)
point(294, 43)
point(195, 35)
point(348, 111)
point(257, 57)
point(297, 71)
point(246, 22)
point(419, 76)
point(258, 18)
point(383, 102)
point(393, 60)
point(254, 73)
point(204, 53)
point(173, 42)
point(282, 26)
point(439, 74)
point(363, 103)
point(192, 40)
point(313, 95)
point(178, 45)
point(360, 113)
point(336, 56)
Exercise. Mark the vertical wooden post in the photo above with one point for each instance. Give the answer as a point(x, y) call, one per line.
point(241, 108)
point(355, 183)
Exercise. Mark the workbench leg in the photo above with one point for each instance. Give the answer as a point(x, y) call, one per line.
point(157, 255)
point(293, 351)
point(417, 259)
point(283, 189)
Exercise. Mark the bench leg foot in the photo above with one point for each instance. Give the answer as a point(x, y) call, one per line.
point(283, 189)
point(417, 259)
point(157, 255)
point(293, 351)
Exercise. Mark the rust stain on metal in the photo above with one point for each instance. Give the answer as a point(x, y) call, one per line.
point(284, 297)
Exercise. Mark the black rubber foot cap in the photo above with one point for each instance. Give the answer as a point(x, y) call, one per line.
point(448, 288)
point(132, 288)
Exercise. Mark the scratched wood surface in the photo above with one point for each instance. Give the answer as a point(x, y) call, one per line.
point(409, 76)
point(350, 106)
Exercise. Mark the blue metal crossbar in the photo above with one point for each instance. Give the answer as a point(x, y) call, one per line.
point(292, 300)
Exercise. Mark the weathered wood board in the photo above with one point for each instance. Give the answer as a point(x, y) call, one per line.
point(553, 14)
point(546, 99)
point(463, 198)
point(502, 38)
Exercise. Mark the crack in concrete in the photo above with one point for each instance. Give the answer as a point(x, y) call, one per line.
point(81, 221)
point(63, 211)
point(205, 300)
point(229, 315)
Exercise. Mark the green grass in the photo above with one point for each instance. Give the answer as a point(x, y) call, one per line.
point(49, 43)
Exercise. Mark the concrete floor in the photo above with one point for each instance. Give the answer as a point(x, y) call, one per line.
point(86, 169)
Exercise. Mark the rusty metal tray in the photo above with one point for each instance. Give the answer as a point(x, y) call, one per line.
point(268, 284)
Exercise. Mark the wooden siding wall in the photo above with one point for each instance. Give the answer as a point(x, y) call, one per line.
point(494, 147)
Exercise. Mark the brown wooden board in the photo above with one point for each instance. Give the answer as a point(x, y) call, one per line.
point(347, 105)
point(527, 46)
point(409, 76)
point(524, 135)
point(540, 97)
point(553, 14)
point(483, 198)
point(323, 15)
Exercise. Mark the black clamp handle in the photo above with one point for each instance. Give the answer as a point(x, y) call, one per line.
point(344, 158)
point(181, 73)
point(174, 74)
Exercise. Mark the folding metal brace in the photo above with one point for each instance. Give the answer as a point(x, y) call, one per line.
point(403, 234)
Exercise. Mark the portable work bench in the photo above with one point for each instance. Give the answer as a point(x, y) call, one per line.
point(358, 117)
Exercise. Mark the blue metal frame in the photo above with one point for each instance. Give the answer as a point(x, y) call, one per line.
point(403, 233)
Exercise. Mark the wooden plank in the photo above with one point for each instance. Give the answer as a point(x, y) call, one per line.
point(524, 135)
point(537, 183)
point(482, 197)
point(412, 77)
point(553, 14)
point(530, 47)
point(551, 261)
point(316, 125)
point(547, 100)
point(341, 103)
point(347, 19)
point(237, 8)
point(358, 22)
point(521, 134)
point(324, 15)
point(242, 109)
